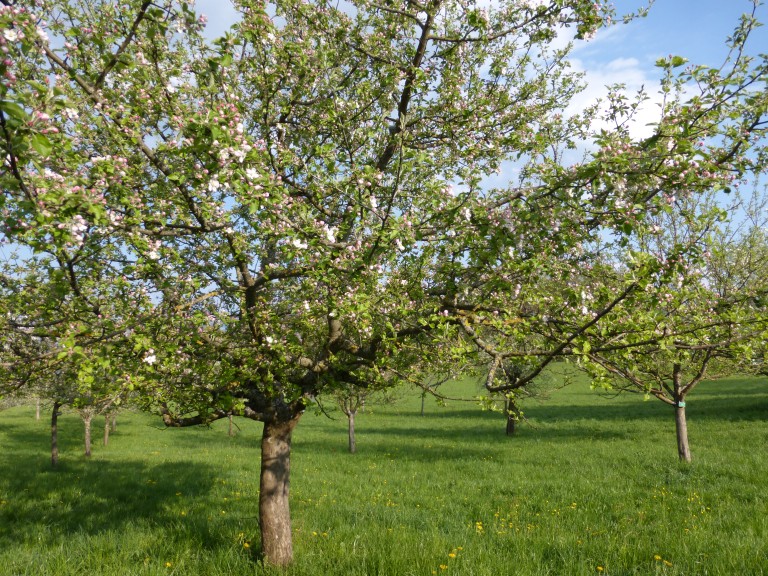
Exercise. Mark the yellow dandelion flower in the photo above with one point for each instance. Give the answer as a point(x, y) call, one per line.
point(667, 563)
point(168, 564)
point(443, 567)
point(246, 545)
point(452, 555)
point(656, 557)
point(600, 568)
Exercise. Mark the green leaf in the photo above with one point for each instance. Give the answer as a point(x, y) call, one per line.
point(13, 109)
point(678, 61)
point(41, 144)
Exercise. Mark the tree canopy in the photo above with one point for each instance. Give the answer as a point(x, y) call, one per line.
point(238, 226)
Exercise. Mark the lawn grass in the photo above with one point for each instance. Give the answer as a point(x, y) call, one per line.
point(590, 485)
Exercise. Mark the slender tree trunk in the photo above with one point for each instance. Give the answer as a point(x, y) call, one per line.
point(87, 419)
point(683, 449)
point(351, 420)
point(37, 408)
point(274, 509)
point(681, 426)
point(106, 429)
point(423, 396)
point(55, 434)
point(113, 422)
point(231, 431)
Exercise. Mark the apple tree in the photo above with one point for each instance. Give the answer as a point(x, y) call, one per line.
point(304, 204)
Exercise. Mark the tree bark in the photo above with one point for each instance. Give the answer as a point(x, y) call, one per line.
point(87, 419)
point(274, 509)
point(231, 431)
point(106, 429)
point(55, 434)
point(352, 443)
point(513, 412)
point(683, 448)
point(681, 426)
point(37, 408)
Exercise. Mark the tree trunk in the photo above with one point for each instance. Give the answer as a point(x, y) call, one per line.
point(106, 429)
point(231, 431)
point(423, 396)
point(55, 434)
point(87, 419)
point(681, 426)
point(37, 408)
point(513, 412)
point(113, 422)
point(683, 449)
point(274, 509)
point(352, 443)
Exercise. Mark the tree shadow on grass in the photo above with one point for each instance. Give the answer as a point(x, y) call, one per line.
point(92, 496)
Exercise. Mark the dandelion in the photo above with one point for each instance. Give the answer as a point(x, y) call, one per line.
point(656, 557)
point(452, 555)
point(246, 545)
point(168, 564)
point(600, 568)
point(667, 563)
point(443, 567)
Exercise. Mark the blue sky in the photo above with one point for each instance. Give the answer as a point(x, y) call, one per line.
point(695, 29)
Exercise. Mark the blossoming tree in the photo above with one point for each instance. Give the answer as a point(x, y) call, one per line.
point(304, 203)
point(703, 318)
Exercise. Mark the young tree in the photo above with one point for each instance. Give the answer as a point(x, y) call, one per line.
point(352, 399)
point(302, 203)
point(700, 320)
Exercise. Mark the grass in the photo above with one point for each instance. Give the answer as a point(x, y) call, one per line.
point(589, 485)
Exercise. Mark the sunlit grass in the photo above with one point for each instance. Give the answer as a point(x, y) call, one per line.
point(589, 486)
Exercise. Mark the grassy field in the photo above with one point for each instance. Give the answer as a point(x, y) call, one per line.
point(589, 486)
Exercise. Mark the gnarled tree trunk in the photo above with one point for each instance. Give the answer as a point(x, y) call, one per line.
point(513, 413)
point(274, 509)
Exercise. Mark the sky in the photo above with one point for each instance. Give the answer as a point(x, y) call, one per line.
point(694, 29)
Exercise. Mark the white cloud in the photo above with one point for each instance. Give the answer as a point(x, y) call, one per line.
point(627, 71)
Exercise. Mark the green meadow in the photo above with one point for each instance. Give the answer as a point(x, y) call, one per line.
point(590, 485)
